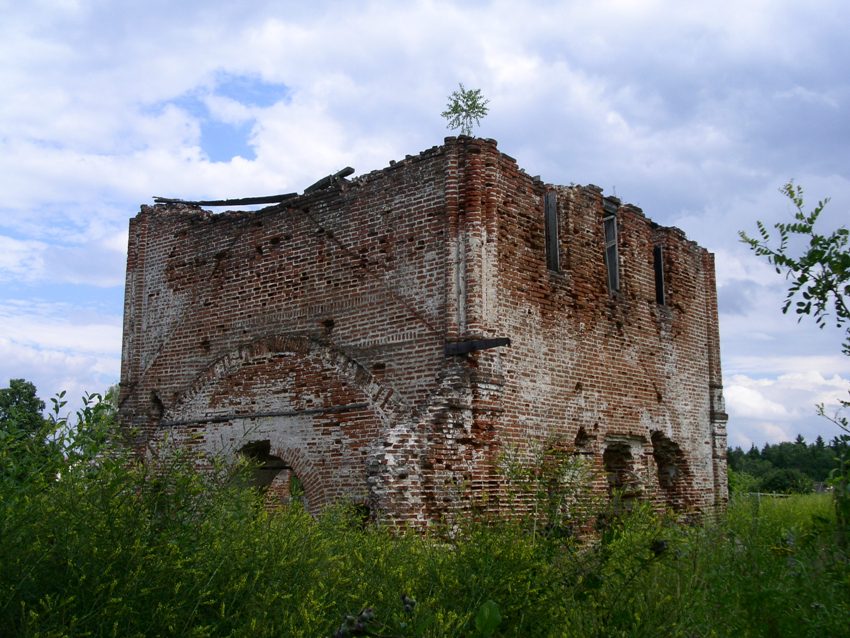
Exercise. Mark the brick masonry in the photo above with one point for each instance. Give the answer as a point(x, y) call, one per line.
point(312, 336)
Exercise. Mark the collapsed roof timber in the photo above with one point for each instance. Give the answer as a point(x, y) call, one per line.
point(326, 182)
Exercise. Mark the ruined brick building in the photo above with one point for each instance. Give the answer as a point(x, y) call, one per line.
point(386, 339)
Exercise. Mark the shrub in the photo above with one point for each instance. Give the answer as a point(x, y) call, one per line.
point(785, 481)
point(105, 545)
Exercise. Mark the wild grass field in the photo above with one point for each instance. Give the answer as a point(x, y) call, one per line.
point(93, 543)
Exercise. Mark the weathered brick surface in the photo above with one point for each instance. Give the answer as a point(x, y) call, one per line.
point(319, 326)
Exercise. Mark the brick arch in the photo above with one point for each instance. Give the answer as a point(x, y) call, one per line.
point(302, 467)
point(386, 403)
point(368, 450)
point(277, 466)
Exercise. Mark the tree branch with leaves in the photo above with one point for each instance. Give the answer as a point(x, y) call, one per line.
point(820, 275)
point(820, 288)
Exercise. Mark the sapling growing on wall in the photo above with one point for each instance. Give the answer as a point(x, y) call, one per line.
point(465, 107)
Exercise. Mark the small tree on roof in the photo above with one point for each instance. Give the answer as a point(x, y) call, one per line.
point(465, 107)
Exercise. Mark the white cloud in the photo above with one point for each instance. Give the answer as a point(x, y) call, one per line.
point(93, 258)
point(59, 346)
point(748, 402)
point(695, 112)
point(53, 370)
point(229, 110)
point(777, 408)
point(774, 355)
point(759, 433)
point(21, 259)
point(736, 263)
point(784, 397)
point(60, 327)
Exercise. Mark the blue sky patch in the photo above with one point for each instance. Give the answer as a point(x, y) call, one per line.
point(104, 299)
point(250, 90)
point(222, 141)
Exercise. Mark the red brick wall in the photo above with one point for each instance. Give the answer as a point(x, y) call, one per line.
point(619, 365)
point(319, 326)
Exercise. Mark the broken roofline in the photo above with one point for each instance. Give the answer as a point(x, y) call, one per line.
point(328, 181)
point(339, 178)
point(323, 183)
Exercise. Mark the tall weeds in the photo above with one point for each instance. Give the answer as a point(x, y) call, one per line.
point(94, 543)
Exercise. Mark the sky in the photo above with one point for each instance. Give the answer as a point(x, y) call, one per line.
point(698, 112)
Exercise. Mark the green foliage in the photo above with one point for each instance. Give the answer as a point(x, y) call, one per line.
point(552, 482)
point(820, 287)
point(839, 480)
point(820, 275)
point(28, 448)
point(104, 545)
point(465, 107)
point(785, 481)
point(742, 482)
point(20, 407)
point(810, 463)
point(488, 618)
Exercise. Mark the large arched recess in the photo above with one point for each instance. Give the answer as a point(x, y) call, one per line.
point(322, 412)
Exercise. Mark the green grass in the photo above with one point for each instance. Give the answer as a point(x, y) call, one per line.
point(769, 568)
point(109, 547)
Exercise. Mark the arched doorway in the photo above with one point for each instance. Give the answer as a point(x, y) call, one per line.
point(273, 476)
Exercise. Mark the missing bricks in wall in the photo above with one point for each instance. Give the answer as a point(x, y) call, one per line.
point(583, 441)
point(672, 470)
point(384, 337)
point(620, 469)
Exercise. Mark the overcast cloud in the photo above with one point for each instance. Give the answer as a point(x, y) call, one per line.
point(697, 112)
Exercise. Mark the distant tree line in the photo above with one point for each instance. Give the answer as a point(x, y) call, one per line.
point(785, 467)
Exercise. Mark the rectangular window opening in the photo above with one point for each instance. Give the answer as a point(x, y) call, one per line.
point(658, 264)
point(553, 259)
point(611, 255)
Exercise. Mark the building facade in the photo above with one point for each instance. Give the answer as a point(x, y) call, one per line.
point(388, 339)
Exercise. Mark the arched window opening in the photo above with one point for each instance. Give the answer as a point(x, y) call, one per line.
point(273, 476)
point(266, 467)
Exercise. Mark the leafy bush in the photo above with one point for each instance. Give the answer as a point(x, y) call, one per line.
point(785, 482)
point(93, 542)
point(742, 482)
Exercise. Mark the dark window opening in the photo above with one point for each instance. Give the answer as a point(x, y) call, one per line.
point(272, 476)
point(583, 442)
point(551, 219)
point(619, 469)
point(612, 257)
point(157, 408)
point(265, 467)
point(658, 265)
point(362, 514)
